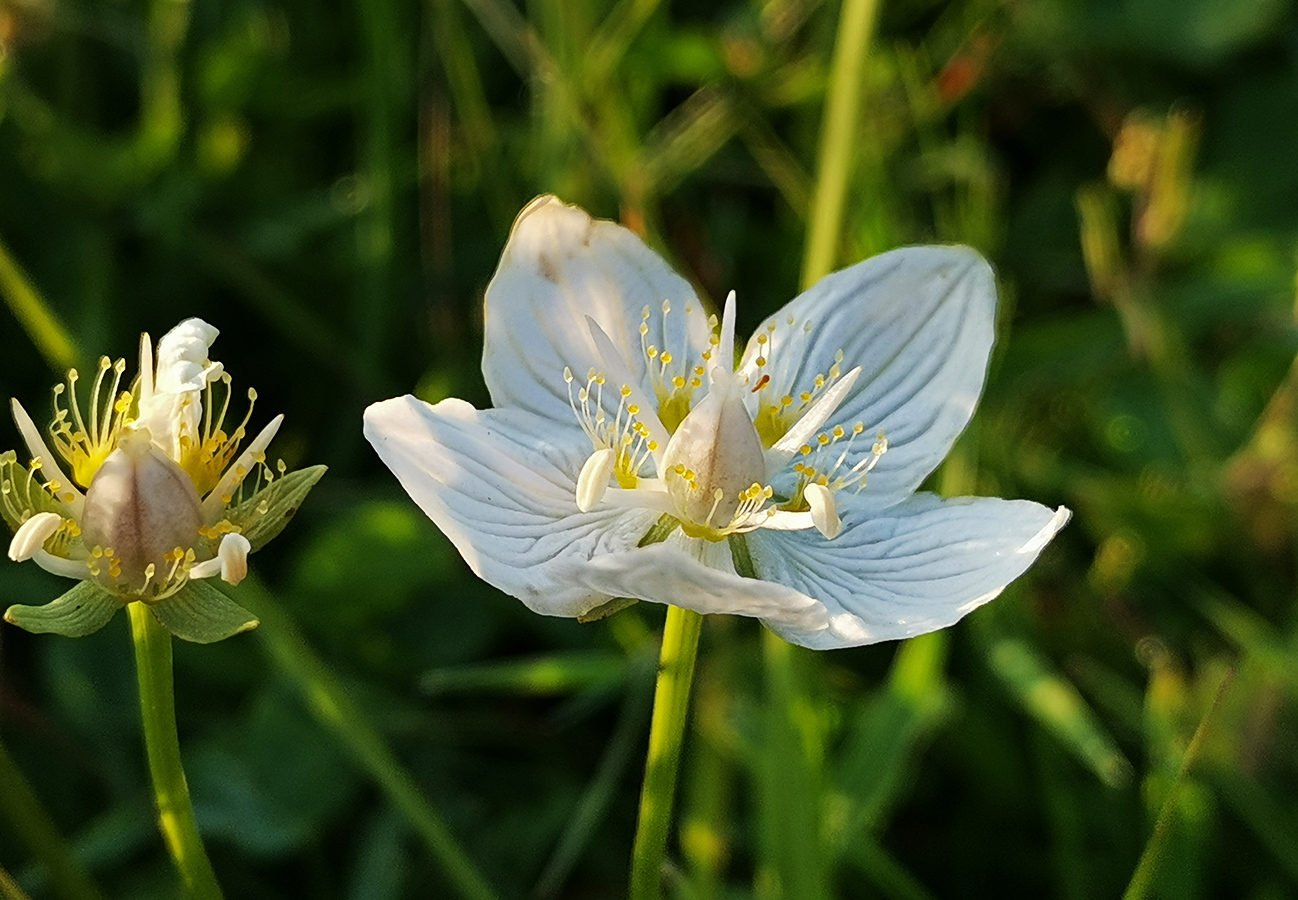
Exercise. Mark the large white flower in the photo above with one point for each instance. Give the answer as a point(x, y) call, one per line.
point(627, 456)
point(156, 495)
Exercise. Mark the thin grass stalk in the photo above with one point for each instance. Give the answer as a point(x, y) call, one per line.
point(34, 314)
point(330, 704)
point(838, 137)
point(29, 819)
point(1142, 880)
point(9, 888)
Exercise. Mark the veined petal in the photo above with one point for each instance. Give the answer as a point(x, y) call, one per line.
point(501, 484)
point(700, 575)
point(559, 267)
point(919, 321)
point(917, 567)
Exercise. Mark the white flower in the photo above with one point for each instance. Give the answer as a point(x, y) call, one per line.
point(628, 457)
point(143, 492)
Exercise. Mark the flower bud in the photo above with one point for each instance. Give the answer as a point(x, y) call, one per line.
point(141, 508)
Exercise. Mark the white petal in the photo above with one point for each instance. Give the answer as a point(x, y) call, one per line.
point(920, 323)
point(171, 398)
point(68, 492)
point(558, 267)
point(700, 575)
point(501, 484)
point(183, 363)
point(32, 535)
point(146, 369)
point(915, 568)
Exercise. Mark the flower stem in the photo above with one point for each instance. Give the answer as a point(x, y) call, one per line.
point(666, 735)
point(158, 709)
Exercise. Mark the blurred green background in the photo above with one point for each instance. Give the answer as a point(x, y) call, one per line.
point(331, 185)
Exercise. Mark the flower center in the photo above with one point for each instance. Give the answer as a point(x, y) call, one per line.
point(141, 520)
point(714, 467)
point(206, 453)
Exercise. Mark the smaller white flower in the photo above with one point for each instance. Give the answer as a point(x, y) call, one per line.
point(159, 493)
point(628, 456)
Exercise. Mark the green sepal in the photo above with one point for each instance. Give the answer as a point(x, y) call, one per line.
point(604, 610)
point(743, 560)
point(201, 614)
point(264, 515)
point(81, 611)
point(661, 530)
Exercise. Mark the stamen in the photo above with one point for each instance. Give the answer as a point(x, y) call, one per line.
point(815, 470)
point(85, 447)
point(780, 406)
point(674, 378)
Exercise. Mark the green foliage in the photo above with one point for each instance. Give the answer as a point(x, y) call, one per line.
point(332, 191)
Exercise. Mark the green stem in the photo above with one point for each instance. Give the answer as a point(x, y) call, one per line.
point(23, 810)
point(838, 138)
point(158, 709)
point(666, 735)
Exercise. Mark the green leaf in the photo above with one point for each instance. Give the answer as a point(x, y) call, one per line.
point(263, 515)
point(200, 613)
point(884, 736)
point(81, 611)
point(1055, 704)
